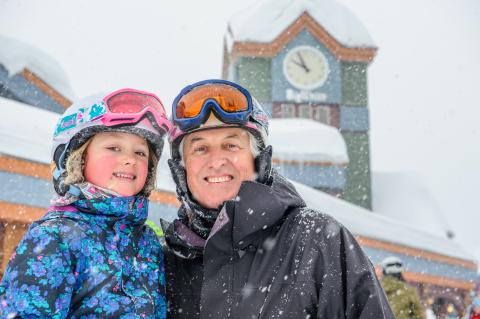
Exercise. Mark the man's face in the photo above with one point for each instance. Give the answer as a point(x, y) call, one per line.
point(217, 161)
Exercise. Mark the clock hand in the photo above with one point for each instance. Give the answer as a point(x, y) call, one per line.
point(300, 65)
point(302, 61)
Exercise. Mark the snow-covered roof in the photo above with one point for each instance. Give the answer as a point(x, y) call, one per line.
point(266, 19)
point(16, 55)
point(26, 131)
point(358, 220)
point(404, 196)
point(376, 226)
point(306, 140)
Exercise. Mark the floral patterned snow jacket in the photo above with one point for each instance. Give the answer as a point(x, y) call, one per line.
point(91, 259)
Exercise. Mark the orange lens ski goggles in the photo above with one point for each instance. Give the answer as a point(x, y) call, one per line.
point(193, 105)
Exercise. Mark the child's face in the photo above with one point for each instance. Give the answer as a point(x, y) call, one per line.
point(117, 161)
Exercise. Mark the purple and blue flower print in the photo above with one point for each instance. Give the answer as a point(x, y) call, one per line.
point(92, 259)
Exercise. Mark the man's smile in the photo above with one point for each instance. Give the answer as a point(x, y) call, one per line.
point(218, 179)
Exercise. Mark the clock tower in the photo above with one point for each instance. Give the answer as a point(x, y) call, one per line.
point(308, 59)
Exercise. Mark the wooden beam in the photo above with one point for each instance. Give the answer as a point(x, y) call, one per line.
point(439, 281)
point(23, 167)
point(18, 213)
point(45, 88)
point(166, 198)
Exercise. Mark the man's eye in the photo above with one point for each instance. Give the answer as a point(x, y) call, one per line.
point(232, 146)
point(200, 149)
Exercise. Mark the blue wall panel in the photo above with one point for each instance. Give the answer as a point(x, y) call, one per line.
point(27, 190)
point(28, 93)
point(157, 211)
point(354, 118)
point(315, 176)
point(420, 265)
point(21, 189)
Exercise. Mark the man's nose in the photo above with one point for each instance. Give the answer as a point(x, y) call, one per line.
point(217, 159)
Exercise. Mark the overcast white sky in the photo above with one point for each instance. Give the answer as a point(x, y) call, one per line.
point(423, 83)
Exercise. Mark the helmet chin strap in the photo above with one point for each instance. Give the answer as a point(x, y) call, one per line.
point(263, 165)
point(57, 173)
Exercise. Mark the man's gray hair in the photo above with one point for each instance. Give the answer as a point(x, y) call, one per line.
point(254, 148)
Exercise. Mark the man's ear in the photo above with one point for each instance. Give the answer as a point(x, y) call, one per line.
point(263, 165)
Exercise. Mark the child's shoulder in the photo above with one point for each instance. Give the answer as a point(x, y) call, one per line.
point(59, 223)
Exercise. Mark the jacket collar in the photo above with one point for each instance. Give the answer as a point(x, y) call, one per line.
point(130, 210)
point(258, 207)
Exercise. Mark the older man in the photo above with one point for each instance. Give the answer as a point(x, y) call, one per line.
point(245, 245)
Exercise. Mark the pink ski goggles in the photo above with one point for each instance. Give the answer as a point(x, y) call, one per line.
point(129, 106)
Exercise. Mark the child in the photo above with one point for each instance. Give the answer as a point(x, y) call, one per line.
point(91, 256)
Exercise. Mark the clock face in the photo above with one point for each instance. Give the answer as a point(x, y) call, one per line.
point(305, 67)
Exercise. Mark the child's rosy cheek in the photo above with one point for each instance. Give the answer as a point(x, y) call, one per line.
point(103, 166)
point(144, 168)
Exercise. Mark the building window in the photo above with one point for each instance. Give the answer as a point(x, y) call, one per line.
point(321, 113)
point(287, 110)
point(304, 111)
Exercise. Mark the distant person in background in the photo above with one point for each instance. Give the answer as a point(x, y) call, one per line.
point(403, 299)
point(475, 309)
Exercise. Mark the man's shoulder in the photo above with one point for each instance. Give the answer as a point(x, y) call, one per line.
point(306, 217)
point(311, 223)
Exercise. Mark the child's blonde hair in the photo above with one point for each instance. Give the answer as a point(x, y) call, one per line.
point(76, 162)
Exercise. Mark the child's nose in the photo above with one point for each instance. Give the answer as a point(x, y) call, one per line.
point(129, 159)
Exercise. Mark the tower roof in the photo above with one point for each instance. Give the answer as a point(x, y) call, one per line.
point(266, 20)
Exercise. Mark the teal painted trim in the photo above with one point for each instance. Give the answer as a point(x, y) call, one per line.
point(254, 74)
point(354, 119)
point(358, 189)
point(423, 266)
point(354, 83)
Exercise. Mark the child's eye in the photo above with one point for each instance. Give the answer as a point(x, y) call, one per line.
point(141, 153)
point(114, 148)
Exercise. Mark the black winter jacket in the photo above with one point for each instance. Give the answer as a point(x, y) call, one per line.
point(269, 256)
